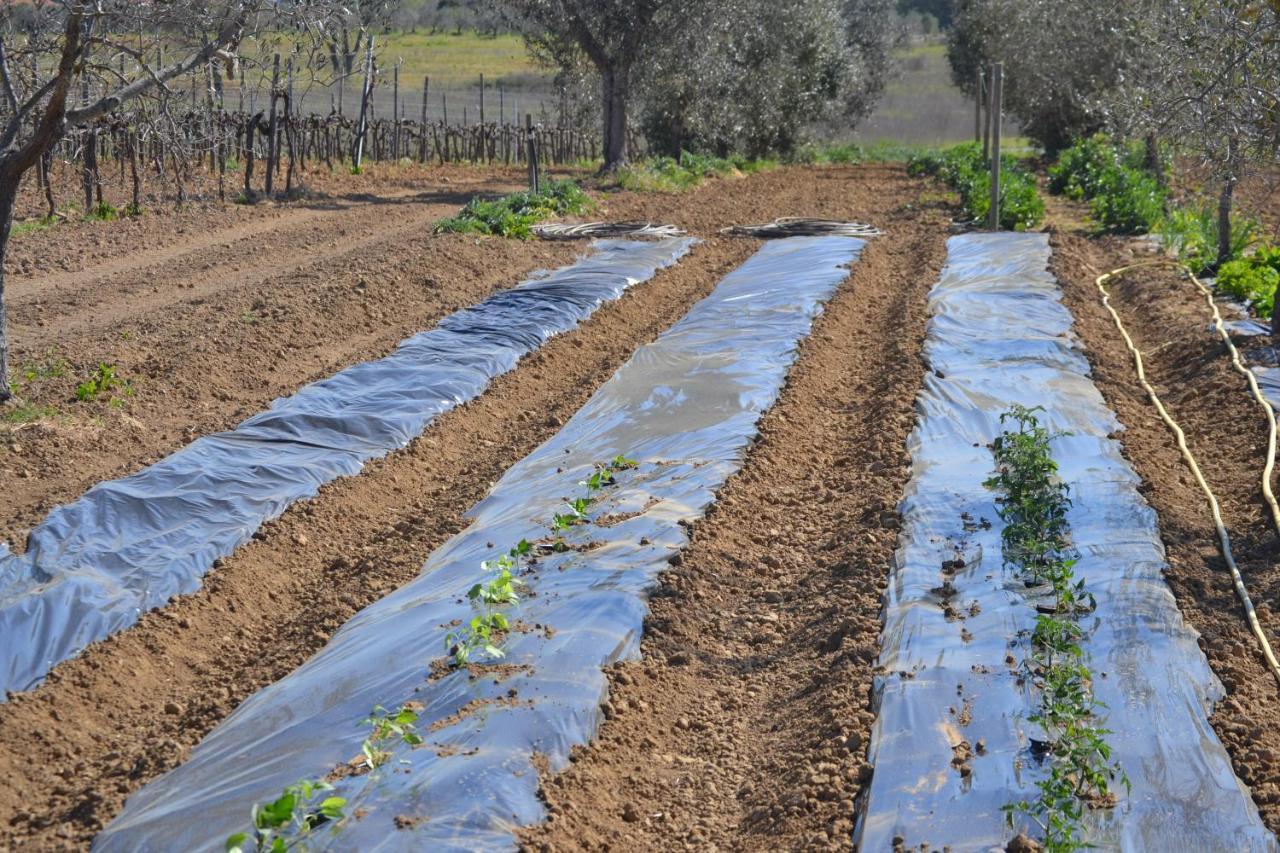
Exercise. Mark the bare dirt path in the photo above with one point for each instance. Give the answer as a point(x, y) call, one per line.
point(107, 722)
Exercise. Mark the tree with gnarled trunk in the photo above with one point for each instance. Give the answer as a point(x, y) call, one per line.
point(74, 47)
point(614, 35)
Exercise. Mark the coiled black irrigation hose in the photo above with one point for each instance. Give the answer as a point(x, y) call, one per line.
point(556, 231)
point(798, 226)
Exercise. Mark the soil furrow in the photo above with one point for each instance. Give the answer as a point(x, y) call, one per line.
point(130, 707)
point(203, 367)
point(1226, 431)
point(745, 724)
point(129, 290)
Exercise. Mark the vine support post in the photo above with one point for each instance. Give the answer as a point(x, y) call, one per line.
point(997, 91)
point(531, 148)
point(422, 127)
point(273, 124)
point(979, 91)
point(985, 98)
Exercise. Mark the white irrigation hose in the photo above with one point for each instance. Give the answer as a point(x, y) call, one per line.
point(796, 226)
point(1224, 538)
point(558, 231)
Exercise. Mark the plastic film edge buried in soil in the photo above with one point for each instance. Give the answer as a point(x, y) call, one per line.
point(128, 546)
point(685, 407)
point(952, 743)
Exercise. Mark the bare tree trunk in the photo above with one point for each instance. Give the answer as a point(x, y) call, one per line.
point(46, 161)
point(8, 195)
point(1225, 198)
point(1155, 164)
point(614, 81)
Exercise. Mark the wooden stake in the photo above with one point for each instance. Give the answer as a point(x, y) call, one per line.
point(997, 92)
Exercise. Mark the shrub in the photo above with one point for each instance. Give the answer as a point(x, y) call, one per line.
point(1253, 278)
point(1124, 197)
point(964, 169)
point(1079, 169)
point(1127, 201)
point(514, 215)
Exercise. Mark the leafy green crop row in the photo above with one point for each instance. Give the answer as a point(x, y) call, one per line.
point(1036, 542)
point(965, 170)
point(287, 822)
point(1253, 278)
point(515, 215)
point(1126, 198)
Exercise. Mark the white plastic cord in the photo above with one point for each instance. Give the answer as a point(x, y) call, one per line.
point(1224, 539)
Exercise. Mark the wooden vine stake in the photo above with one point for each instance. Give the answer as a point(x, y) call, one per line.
point(531, 152)
point(997, 91)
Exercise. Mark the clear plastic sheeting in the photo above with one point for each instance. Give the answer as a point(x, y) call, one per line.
point(951, 743)
point(128, 546)
point(685, 407)
point(1268, 383)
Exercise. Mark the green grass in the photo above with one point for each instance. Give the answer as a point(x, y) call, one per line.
point(669, 175)
point(26, 413)
point(30, 226)
point(458, 59)
point(515, 215)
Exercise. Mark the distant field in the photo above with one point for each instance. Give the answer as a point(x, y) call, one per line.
point(922, 107)
point(454, 62)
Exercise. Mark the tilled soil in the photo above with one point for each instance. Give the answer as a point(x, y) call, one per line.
point(241, 306)
point(1227, 432)
point(745, 724)
point(828, 466)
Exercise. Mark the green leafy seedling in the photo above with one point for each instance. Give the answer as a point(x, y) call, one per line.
point(284, 823)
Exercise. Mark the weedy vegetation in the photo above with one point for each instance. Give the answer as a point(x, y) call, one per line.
point(1033, 505)
point(1126, 197)
point(104, 382)
point(674, 175)
point(1253, 278)
point(515, 215)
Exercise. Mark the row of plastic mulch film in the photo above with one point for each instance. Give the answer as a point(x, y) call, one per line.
point(128, 546)
point(952, 741)
point(685, 407)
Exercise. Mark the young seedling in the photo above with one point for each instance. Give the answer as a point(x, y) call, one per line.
point(476, 635)
point(385, 729)
point(1036, 542)
point(104, 380)
point(286, 822)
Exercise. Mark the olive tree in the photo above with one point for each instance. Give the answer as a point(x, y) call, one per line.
point(753, 75)
point(1062, 61)
point(1210, 82)
point(614, 36)
point(720, 75)
point(72, 62)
